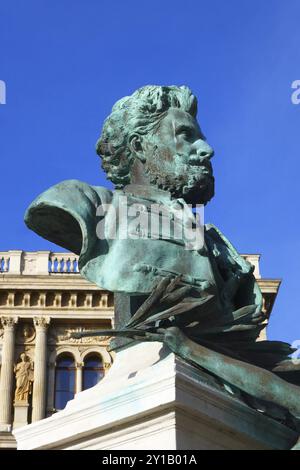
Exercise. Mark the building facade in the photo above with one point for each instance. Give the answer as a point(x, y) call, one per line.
point(42, 299)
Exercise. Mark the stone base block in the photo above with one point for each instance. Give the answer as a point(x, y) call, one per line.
point(7, 441)
point(21, 414)
point(152, 400)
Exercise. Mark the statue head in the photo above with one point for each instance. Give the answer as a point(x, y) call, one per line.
point(24, 357)
point(152, 137)
point(27, 331)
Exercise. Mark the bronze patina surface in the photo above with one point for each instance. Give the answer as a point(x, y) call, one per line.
point(202, 301)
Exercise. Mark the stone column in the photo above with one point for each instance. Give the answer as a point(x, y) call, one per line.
point(7, 372)
point(79, 367)
point(40, 368)
point(51, 389)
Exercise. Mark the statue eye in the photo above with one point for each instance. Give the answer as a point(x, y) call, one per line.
point(184, 131)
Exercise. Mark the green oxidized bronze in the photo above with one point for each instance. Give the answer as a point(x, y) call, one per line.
point(203, 302)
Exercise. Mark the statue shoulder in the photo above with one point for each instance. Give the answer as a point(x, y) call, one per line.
point(239, 280)
point(223, 249)
point(65, 214)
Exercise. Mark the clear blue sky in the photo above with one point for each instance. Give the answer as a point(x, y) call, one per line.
point(65, 62)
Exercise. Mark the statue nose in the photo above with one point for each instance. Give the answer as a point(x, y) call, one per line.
point(205, 154)
point(201, 151)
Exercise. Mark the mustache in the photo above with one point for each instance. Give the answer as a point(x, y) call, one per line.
point(194, 161)
point(198, 160)
point(186, 171)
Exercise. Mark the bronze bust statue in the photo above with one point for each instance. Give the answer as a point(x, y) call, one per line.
point(203, 301)
point(153, 150)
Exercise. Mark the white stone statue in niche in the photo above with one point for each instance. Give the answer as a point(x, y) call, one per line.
point(24, 378)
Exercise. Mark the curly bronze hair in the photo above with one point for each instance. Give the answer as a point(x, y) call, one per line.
point(137, 114)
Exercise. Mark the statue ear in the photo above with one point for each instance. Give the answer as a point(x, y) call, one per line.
point(136, 146)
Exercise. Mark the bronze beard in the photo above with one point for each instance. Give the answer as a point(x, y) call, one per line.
point(192, 184)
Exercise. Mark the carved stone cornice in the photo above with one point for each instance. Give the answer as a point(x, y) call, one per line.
point(62, 298)
point(9, 322)
point(41, 322)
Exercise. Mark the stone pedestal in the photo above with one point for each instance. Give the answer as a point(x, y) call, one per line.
point(21, 414)
point(152, 400)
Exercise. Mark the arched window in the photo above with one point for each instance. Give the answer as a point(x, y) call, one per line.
point(93, 371)
point(64, 380)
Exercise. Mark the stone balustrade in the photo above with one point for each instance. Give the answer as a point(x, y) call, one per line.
point(4, 261)
point(50, 263)
point(18, 262)
point(63, 263)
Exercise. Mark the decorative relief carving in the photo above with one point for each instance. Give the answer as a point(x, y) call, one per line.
point(9, 322)
point(61, 335)
point(26, 334)
point(41, 322)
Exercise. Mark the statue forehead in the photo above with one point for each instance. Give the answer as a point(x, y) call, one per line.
point(177, 117)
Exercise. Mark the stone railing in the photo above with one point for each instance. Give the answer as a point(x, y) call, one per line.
point(50, 263)
point(4, 261)
point(19, 262)
point(63, 263)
